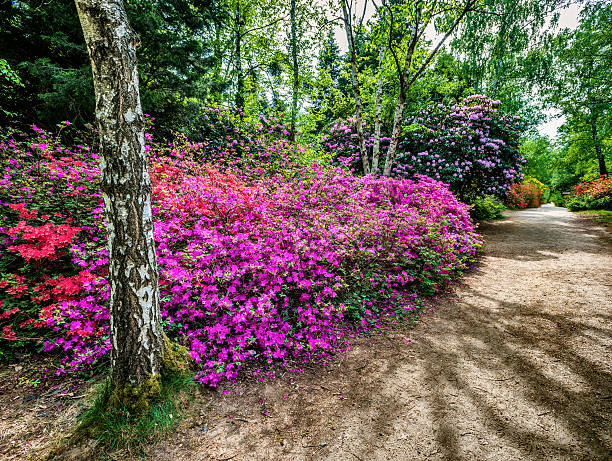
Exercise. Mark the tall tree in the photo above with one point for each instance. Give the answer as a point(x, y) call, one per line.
point(496, 44)
point(295, 69)
point(136, 332)
point(582, 82)
point(420, 14)
point(379, 89)
point(347, 14)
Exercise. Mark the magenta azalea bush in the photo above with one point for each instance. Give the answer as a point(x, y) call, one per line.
point(267, 266)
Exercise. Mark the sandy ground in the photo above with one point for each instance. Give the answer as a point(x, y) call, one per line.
point(515, 365)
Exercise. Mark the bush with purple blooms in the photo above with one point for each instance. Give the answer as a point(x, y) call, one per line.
point(471, 146)
point(342, 145)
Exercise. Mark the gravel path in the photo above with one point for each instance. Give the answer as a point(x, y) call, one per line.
point(516, 366)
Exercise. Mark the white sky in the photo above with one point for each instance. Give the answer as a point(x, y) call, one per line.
point(568, 19)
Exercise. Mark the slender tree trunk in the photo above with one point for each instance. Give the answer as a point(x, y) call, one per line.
point(398, 115)
point(603, 170)
point(378, 112)
point(358, 104)
point(378, 108)
point(240, 75)
point(136, 333)
point(405, 85)
point(296, 79)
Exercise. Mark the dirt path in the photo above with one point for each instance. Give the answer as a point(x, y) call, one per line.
point(518, 365)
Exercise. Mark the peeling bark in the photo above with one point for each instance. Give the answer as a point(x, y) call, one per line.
point(296, 76)
point(136, 333)
point(358, 104)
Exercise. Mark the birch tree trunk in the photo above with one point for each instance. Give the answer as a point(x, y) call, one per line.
point(135, 326)
point(398, 115)
point(296, 80)
point(378, 110)
point(378, 102)
point(358, 104)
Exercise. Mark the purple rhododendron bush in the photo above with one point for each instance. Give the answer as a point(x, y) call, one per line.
point(256, 265)
point(472, 146)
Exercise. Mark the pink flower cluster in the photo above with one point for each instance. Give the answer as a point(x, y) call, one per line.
point(265, 269)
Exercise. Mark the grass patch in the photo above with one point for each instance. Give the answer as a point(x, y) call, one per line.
point(603, 217)
point(116, 429)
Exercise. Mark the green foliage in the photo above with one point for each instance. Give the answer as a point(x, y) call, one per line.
point(9, 79)
point(603, 217)
point(487, 208)
point(580, 87)
point(117, 428)
point(501, 45)
point(557, 198)
point(584, 202)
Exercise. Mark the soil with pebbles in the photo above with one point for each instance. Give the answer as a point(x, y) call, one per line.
point(515, 364)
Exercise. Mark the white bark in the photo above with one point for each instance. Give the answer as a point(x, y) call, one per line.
point(136, 333)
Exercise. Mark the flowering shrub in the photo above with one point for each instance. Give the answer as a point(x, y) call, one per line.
point(539, 186)
point(524, 195)
point(252, 148)
point(261, 266)
point(470, 146)
point(592, 195)
point(343, 146)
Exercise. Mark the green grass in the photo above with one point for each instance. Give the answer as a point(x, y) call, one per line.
point(603, 217)
point(115, 429)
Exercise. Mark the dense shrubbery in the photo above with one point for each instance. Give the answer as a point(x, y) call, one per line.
point(592, 195)
point(342, 146)
point(527, 194)
point(258, 266)
point(470, 146)
point(487, 208)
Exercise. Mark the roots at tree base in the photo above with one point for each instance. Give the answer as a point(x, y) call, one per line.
point(136, 398)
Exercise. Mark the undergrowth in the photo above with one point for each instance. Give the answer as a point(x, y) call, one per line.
point(116, 429)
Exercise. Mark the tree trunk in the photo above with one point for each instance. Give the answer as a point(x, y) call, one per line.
point(603, 171)
point(240, 75)
point(405, 84)
point(296, 80)
point(378, 109)
point(398, 116)
point(378, 100)
point(358, 104)
point(135, 325)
